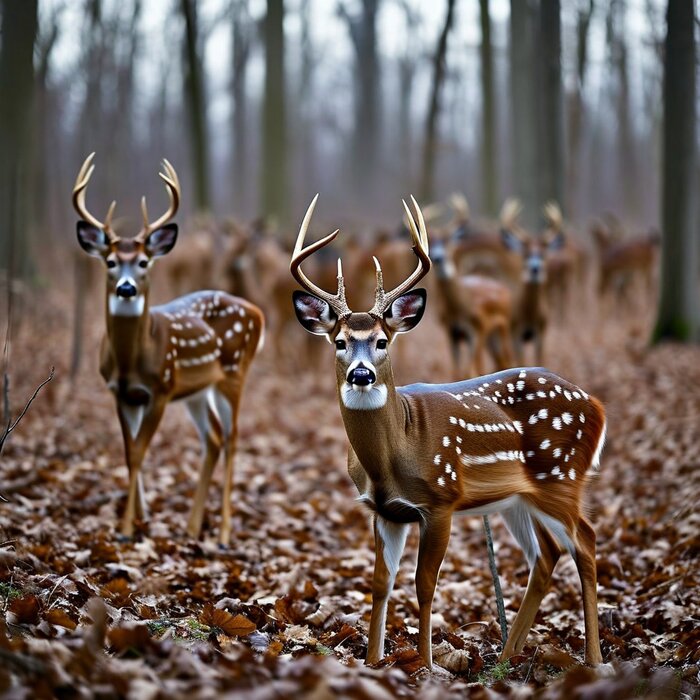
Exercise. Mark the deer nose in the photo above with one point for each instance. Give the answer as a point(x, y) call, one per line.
point(126, 290)
point(361, 376)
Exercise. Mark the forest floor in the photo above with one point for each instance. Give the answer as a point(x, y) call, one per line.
point(283, 613)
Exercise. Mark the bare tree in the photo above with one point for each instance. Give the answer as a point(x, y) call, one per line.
point(489, 164)
point(196, 104)
point(19, 28)
point(678, 316)
point(273, 185)
point(431, 139)
point(363, 33)
point(241, 27)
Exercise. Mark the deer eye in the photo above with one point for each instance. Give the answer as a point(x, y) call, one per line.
point(340, 345)
point(143, 263)
point(111, 264)
point(381, 344)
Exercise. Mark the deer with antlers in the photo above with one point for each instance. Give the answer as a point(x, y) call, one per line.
point(197, 348)
point(520, 442)
point(531, 309)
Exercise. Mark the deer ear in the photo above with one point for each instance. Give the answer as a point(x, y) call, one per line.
point(161, 241)
point(405, 313)
point(314, 313)
point(511, 241)
point(92, 239)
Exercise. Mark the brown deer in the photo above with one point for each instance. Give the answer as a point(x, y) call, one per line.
point(621, 262)
point(475, 310)
point(520, 442)
point(531, 309)
point(197, 348)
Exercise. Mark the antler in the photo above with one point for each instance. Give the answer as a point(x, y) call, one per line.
point(510, 212)
point(79, 190)
point(336, 301)
point(419, 234)
point(552, 214)
point(172, 185)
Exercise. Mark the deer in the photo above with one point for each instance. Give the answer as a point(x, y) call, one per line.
point(197, 348)
point(475, 309)
point(520, 441)
point(531, 315)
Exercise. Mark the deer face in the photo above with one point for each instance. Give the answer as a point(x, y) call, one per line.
point(128, 262)
point(533, 250)
point(361, 341)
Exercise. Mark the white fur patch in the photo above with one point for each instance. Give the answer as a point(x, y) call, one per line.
point(393, 536)
point(595, 462)
point(518, 520)
point(367, 398)
point(133, 415)
point(134, 306)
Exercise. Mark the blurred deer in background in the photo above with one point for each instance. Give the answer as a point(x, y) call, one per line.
point(531, 309)
point(197, 348)
point(566, 264)
point(477, 246)
point(622, 263)
point(475, 310)
point(519, 442)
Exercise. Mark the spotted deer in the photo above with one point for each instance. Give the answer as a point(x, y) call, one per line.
point(521, 442)
point(197, 348)
point(531, 310)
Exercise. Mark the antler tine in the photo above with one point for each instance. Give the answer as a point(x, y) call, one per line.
point(79, 192)
point(336, 301)
point(172, 186)
point(419, 234)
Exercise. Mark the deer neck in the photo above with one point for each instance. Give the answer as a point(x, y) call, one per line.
point(377, 435)
point(127, 333)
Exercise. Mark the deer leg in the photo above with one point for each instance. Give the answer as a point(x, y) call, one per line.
point(585, 563)
point(228, 411)
point(537, 587)
point(207, 422)
point(138, 427)
point(389, 541)
point(434, 537)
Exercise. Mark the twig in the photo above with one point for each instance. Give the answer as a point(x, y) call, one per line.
point(496, 581)
point(11, 425)
point(532, 661)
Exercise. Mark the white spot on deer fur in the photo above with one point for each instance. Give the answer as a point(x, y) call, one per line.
point(555, 471)
point(488, 427)
point(520, 385)
point(579, 434)
point(566, 458)
point(459, 439)
point(441, 481)
point(557, 452)
point(522, 375)
point(493, 458)
point(582, 418)
point(479, 428)
point(567, 418)
point(542, 394)
point(573, 451)
point(530, 453)
point(552, 394)
point(173, 340)
point(454, 476)
point(497, 393)
point(530, 397)
point(437, 459)
point(229, 334)
point(238, 326)
point(556, 423)
point(542, 413)
point(532, 419)
point(446, 441)
point(510, 387)
point(572, 474)
point(576, 395)
point(557, 388)
point(458, 450)
point(219, 342)
point(453, 420)
point(541, 476)
point(567, 394)
point(448, 468)
point(545, 444)
point(541, 380)
point(462, 423)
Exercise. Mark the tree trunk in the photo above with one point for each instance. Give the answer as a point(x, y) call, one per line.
point(524, 108)
point(678, 316)
point(239, 80)
point(489, 164)
point(19, 28)
point(196, 105)
point(576, 109)
point(431, 139)
point(273, 186)
point(550, 100)
point(365, 141)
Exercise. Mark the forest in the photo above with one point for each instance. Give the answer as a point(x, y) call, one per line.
point(503, 502)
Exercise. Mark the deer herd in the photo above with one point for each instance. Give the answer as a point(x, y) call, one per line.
point(521, 441)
